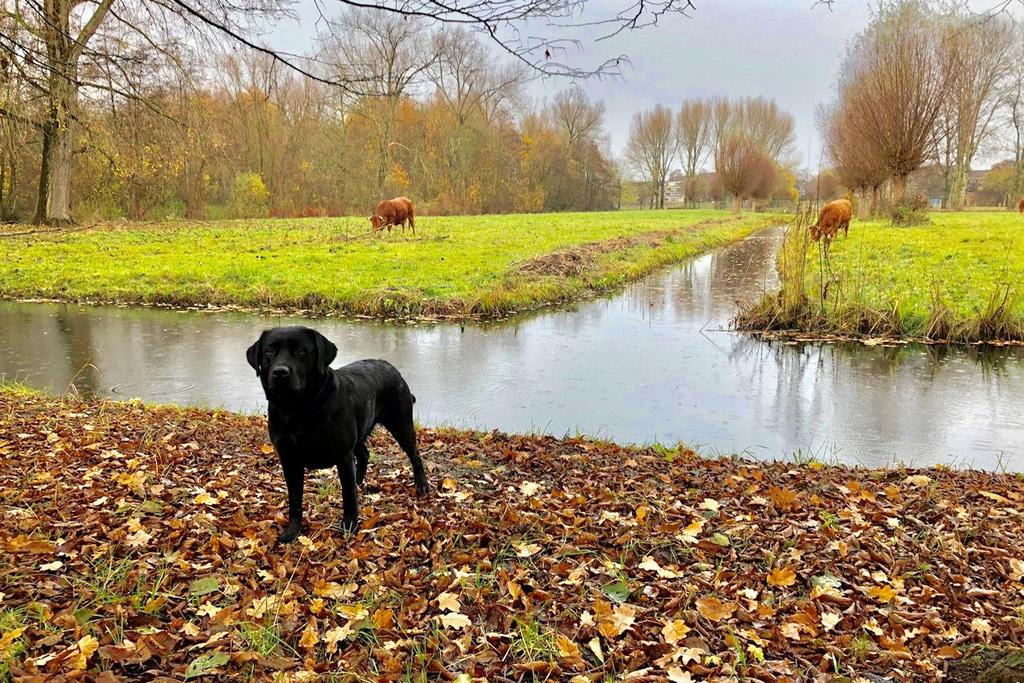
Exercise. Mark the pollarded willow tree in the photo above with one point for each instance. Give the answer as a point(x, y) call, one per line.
point(752, 140)
point(892, 85)
point(57, 47)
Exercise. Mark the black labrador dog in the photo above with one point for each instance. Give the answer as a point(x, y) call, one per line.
point(321, 417)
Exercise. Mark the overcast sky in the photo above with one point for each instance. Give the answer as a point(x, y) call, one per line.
point(786, 49)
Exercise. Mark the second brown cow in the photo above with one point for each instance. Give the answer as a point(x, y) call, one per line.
point(1020, 205)
point(394, 212)
point(834, 216)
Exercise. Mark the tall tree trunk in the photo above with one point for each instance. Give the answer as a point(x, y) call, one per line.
point(44, 176)
point(58, 196)
point(899, 189)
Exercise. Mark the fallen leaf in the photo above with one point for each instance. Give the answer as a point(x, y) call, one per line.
point(674, 631)
point(714, 609)
point(786, 576)
point(454, 620)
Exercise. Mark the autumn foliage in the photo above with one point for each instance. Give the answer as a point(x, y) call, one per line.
point(139, 541)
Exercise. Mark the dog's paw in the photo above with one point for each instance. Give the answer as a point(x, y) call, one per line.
point(422, 488)
point(290, 533)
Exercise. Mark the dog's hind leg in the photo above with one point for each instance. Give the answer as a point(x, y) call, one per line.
point(405, 434)
point(362, 460)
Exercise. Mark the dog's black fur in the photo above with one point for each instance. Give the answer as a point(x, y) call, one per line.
point(321, 417)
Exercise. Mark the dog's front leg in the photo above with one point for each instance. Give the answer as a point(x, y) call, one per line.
point(347, 474)
point(295, 477)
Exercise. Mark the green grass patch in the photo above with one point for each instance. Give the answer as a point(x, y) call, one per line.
point(465, 266)
point(955, 279)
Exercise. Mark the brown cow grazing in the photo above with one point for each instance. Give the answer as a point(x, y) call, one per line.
point(834, 216)
point(394, 212)
point(1020, 205)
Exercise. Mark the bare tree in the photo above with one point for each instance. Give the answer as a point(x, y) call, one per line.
point(1014, 112)
point(765, 125)
point(744, 168)
point(651, 148)
point(382, 52)
point(694, 128)
point(857, 156)
point(892, 87)
point(975, 58)
point(578, 117)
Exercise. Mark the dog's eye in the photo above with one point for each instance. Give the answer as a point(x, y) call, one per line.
point(300, 352)
point(268, 352)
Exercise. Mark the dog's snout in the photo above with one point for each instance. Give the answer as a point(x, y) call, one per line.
point(280, 371)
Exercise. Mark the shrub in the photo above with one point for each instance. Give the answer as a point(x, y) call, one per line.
point(249, 196)
point(913, 212)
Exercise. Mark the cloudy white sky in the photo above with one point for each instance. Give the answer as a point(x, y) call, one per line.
point(786, 49)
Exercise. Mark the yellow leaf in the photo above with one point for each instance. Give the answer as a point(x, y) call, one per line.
point(674, 631)
point(714, 609)
point(641, 513)
point(565, 646)
point(595, 647)
point(1016, 569)
point(830, 619)
point(7, 639)
point(617, 621)
point(138, 539)
point(51, 566)
point(266, 449)
point(710, 504)
point(335, 635)
point(526, 549)
point(454, 620)
point(205, 498)
point(677, 675)
point(354, 612)
point(785, 576)
point(981, 626)
point(309, 637)
point(882, 593)
point(529, 488)
point(448, 601)
point(86, 646)
point(918, 480)
point(332, 589)
point(651, 565)
point(791, 630)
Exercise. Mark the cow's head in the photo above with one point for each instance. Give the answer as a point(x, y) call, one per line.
point(377, 222)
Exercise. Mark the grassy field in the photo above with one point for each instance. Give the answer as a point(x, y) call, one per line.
point(467, 266)
point(958, 278)
point(139, 540)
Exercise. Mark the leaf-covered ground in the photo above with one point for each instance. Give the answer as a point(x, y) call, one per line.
point(138, 543)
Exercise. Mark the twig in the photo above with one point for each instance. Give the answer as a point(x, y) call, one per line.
point(48, 230)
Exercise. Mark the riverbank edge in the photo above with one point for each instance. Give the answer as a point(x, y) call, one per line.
point(518, 293)
point(914, 489)
point(795, 312)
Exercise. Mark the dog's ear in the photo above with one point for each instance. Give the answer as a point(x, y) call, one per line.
point(255, 354)
point(326, 351)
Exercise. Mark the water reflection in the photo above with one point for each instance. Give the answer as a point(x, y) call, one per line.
point(652, 363)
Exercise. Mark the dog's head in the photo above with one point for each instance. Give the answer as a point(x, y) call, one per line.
point(376, 221)
point(291, 361)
